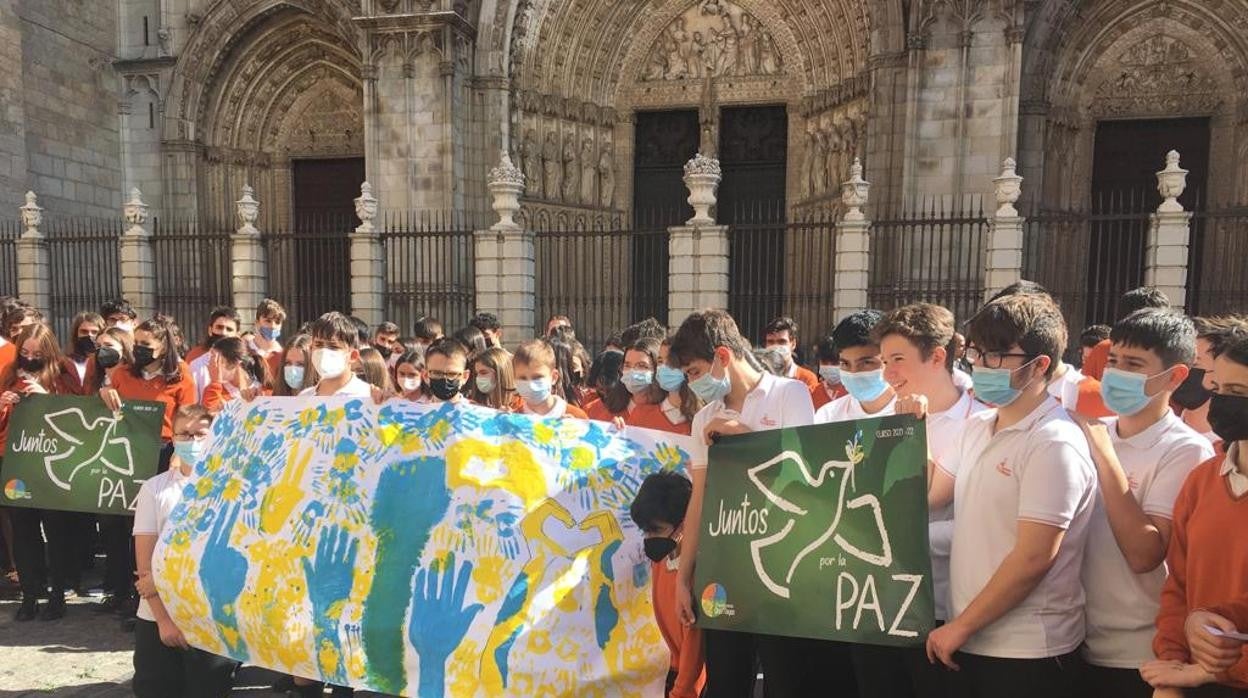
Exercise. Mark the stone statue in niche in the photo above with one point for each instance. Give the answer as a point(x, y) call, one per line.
point(551, 167)
point(589, 172)
point(571, 173)
point(164, 40)
point(531, 164)
point(819, 165)
point(809, 164)
point(713, 38)
point(606, 177)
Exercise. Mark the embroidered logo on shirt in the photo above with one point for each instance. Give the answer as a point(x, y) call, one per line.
point(768, 421)
point(1133, 483)
point(1004, 469)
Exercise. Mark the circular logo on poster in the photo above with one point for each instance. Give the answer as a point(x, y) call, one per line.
point(16, 489)
point(714, 600)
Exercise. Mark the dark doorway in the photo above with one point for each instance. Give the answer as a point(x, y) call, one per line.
point(665, 141)
point(753, 152)
point(313, 265)
point(1126, 157)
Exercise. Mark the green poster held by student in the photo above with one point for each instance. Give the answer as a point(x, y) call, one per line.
point(73, 454)
point(818, 532)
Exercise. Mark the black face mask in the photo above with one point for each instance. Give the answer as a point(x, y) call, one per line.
point(31, 365)
point(657, 549)
point(384, 351)
point(84, 346)
point(1228, 416)
point(1191, 393)
point(143, 355)
point(107, 357)
point(445, 388)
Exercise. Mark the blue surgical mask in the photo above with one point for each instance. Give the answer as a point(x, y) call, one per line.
point(995, 385)
point(830, 373)
point(637, 381)
point(709, 388)
point(1123, 391)
point(534, 391)
point(269, 333)
point(670, 379)
point(293, 376)
point(865, 386)
point(485, 384)
point(190, 451)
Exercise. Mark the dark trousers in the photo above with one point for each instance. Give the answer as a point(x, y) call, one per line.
point(796, 667)
point(41, 566)
point(991, 677)
point(898, 672)
point(1099, 681)
point(731, 664)
point(118, 534)
point(162, 672)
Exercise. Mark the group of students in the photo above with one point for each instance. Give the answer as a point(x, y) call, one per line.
point(1081, 521)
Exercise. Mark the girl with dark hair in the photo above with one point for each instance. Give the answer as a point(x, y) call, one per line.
point(472, 339)
point(235, 371)
point(114, 346)
point(407, 372)
point(297, 371)
point(38, 370)
point(604, 374)
point(81, 345)
point(564, 358)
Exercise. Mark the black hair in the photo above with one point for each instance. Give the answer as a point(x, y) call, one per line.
point(449, 348)
point(386, 328)
point(783, 323)
point(221, 312)
point(1140, 298)
point(615, 339)
point(564, 333)
point(428, 328)
point(1237, 350)
point(825, 351)
point(486, 322)
point(563, 363)
point(855, 330)
point(117, 307)
point(661, 499)
point(650, 328)
point(1021, 286)
point(361, 330)
point(1093, 335)
point(336, 326)
point(1167, 333)
point(472, 339)
point(605, 373)
point(163, 328)
point(701, 334)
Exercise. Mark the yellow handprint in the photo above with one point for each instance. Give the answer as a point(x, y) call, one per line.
point(280, 499)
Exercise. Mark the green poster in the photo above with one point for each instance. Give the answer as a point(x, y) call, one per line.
point(819, 532)
point(73, 454)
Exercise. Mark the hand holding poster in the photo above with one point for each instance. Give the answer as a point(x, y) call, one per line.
point(819, 532)
point(420, 550)
point(73, 454)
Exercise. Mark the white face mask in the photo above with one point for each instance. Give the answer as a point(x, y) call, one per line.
point(125, 326)
point(410, 385)
point(329, 363)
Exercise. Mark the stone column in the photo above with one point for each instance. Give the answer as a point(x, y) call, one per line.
point(138, 269)
point(506, 264)
point(34, 268)
point(853, 247)
point(368, 264)
point(1165, 257)
point(247, 255)
point(698, 250)
point(1004, 255)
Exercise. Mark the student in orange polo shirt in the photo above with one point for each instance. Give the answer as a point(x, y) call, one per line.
point(829, 387)
point(539, 381)
point(223, 322)
point(156, 374)
point(681, 404)
point(647, 402)
point(781, 333)
point(235, 373)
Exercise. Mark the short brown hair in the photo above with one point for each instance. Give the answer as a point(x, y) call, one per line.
point(1220, 331)
point(336, 326)
point(538, 352)
point(192, 413)
point(1033, 322)
point(449, 348)
point(270, 309)
point(925, 325)
point(702, 333)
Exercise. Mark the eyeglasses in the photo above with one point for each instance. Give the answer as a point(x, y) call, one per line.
point(992, 359)
point(445, 375)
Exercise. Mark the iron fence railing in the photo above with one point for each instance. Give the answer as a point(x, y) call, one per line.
point(310, 267)
point(193, 272)
point(85, 266)
point(1216, 280)
point(430, 268)
point(10, 230)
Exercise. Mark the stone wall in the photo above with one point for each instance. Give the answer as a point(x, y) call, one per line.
point(12, 108)
point(69, 107)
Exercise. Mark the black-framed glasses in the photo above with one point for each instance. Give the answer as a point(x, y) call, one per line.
point(992, 359)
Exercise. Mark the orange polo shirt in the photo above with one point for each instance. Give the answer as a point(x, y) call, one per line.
point(597, 411)
point(196, 351)
point(8, 354)
point(652, 417)
point(820, 396)
point(1094, 365)
point(684, 643)
point(806, 376)
point(174, 395)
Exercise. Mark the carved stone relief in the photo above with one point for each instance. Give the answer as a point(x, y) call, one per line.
point(1160, 74)
point(833, 138)
point(714, 38)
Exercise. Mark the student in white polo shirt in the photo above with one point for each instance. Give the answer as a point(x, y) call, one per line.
point(739, 398)
point(1025, 490)
point(915, 343)
point(862, 372)
point(335, 347)
point(1142, 459)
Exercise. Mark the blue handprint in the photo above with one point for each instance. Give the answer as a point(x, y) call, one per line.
point(411, 498)
point(329, 577)
point(223, 572)
point(439, 621)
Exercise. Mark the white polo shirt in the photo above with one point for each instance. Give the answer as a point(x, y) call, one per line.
point(944, 433)
point(356, 387)
point(556, 412)
point(774, 403)
point(199, 371)
point(1122, 605)
point(1037, 470)
point(157, 498)
point(845, 408)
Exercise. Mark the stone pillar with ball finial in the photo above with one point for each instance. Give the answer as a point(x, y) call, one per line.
point(1004, 254)
point(34, 266)
point(368, 263)
point(1166, 253)
point(853, 247)
point(697, 268)
point(138, 265)
point(506, 257)
point(248, 260)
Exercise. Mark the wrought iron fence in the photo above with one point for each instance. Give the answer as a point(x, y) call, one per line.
point(1055, 246)
point(430, 267)
point(934, 255)
point(193, 272)
point(783, 268)
point(1216, 278)
point(10, 230)
point(603, 276)
point(309, 266)
point(85, 266)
